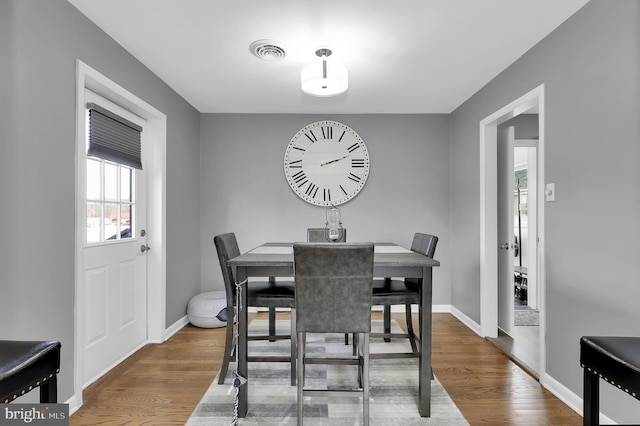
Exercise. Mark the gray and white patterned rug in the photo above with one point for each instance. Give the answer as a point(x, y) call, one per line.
point(526, 317)
point(393, 394)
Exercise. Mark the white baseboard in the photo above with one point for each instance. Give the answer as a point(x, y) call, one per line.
point(562, 392)
point(174, 328)
point(73, 405)
point(471, 324)
point(565, 395)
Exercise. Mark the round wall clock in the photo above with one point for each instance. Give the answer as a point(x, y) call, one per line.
point(326, 163)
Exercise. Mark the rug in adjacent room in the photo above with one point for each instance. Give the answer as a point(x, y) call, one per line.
point(526, 317)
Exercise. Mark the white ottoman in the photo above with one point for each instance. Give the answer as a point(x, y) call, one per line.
point(206, 310)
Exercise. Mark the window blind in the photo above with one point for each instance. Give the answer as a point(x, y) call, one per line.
point(113, 138)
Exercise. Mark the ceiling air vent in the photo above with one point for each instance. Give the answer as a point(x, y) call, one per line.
point(267, 50)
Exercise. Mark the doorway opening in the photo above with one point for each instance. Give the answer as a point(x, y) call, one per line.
point(526, 282)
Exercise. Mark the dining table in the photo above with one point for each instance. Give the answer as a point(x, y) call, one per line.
point(275, 259)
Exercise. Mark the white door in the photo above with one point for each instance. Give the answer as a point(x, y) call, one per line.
point(506, 239)
point(115, 264)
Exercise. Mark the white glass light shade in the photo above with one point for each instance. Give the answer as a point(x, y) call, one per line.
point(315, 84)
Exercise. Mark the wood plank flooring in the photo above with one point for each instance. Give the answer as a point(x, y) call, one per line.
point(162, 384)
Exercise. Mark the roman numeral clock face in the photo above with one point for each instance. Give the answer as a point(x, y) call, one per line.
point(326, 163)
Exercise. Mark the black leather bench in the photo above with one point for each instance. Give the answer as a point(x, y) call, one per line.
point(616, 360)
point(26, 365)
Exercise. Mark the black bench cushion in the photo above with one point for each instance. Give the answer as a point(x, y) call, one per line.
point(614, 359)
point(25, 365)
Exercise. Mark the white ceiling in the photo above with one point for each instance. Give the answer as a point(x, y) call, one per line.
point(403, 56)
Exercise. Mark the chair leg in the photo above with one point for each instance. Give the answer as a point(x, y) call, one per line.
point(387, 322)
point(346, 339)
point(591, 399)
point(294, 348)
point(412, 334)
point(360, 356)
point(354, 344)
point(228, 347)
point(365, 379)
point(272, 324)
point(49, 391)
point(300, 368)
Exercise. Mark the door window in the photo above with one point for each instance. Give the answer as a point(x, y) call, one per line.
point(110, 201)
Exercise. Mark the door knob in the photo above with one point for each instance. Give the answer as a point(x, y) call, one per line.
point(144, 248)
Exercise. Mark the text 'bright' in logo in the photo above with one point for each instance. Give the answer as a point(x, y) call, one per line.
point(31, 414)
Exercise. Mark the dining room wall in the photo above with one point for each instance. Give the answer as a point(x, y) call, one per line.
point(244, 189)
point(40, 41)
point(590, 67)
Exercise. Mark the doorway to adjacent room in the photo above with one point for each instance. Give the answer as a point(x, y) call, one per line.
point(491, 242)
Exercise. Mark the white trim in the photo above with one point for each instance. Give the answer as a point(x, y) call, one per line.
point(488, 213)
point(471, 324)
point(113, 365)
point(488, 231)
point(175, 327)
point(155, 133)
point(572, 400)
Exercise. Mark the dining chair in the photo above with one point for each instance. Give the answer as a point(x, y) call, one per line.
point(614, 359)
point(27, 365)
point(388, 292)
point(261, 294)
point(333, 295)
point(319, 235)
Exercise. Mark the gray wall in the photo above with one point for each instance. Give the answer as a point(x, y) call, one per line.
point(224, 173)
point(41, 41)
point(591, 68)
point(244, 189)
point(526, 126)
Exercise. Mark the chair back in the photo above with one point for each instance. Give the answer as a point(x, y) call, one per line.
point(227, 248)
point(424, 244)
point(319, 235)
point(333, 287)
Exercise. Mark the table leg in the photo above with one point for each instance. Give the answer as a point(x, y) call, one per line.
point(424, 386)
point(242, 364)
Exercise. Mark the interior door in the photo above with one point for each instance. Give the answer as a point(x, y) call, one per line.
point(506, 239)
point(115, 264)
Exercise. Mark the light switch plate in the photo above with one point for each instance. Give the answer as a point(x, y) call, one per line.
point(550, 192)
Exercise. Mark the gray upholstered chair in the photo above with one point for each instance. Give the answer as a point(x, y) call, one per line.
point(333, 295)
point(614, 359)
point(389, 292)
point(262, 294)
point(319, 235)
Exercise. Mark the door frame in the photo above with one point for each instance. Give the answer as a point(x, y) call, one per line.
point(155, 139)
point(488, 213)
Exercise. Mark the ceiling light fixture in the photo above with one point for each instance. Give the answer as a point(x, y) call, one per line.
point(324, 78)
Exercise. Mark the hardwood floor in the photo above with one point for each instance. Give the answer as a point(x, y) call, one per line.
point(162, 384)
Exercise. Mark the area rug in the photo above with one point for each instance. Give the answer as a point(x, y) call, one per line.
point(393, 394)
point(526, 317)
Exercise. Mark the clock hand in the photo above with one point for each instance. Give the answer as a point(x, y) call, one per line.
point(333, 161)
